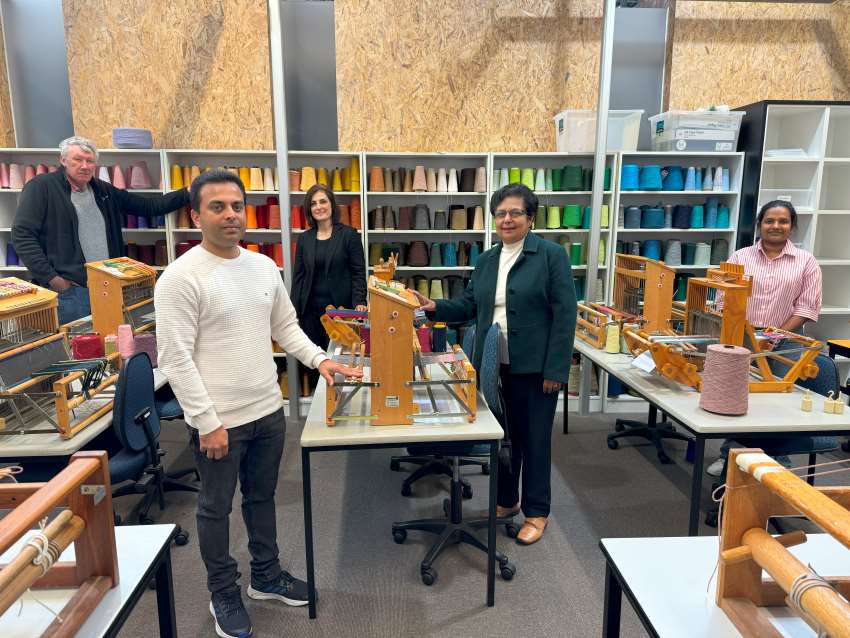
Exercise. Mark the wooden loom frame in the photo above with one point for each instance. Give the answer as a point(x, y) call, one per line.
point(106, 293)
point(757, 488)
point(88, 523)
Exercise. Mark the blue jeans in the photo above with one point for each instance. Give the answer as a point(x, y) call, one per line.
point(73, 304)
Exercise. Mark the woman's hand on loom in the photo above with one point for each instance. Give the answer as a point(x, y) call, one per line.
point(551, 386)
point(425, 304)
point(328, 368)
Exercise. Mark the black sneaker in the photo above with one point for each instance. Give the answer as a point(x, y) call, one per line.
point(285, 588)
point(231, 619)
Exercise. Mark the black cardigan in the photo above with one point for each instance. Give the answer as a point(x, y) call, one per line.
point(345, 268)
point(45, 232)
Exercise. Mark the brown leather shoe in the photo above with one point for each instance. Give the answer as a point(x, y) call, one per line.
point(507, 512)
point(531, 530)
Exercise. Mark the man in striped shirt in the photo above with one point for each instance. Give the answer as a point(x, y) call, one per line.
point(786, 293)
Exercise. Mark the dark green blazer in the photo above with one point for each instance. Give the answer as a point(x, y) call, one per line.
point(540, 304)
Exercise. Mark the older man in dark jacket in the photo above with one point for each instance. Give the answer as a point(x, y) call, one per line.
point(67, 218)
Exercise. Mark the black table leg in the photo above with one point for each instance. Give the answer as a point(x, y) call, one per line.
point(696, 485)
point(613, 602)
point(165, 596)
point(308, 530)
point(566, 399)
point(491, 524)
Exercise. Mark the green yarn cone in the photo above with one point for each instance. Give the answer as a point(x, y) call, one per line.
point(571, 179)
point(576, 254)
point(548, 179)
point(601, 251)
point(540, 218)
point(557, 175)
point(572, 216)
point(604, 220)
point(513, 176)
point(528, 177)
point(553, 218)
point(607, 179)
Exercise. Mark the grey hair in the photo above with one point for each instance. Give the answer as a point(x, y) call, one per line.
point(82, 142)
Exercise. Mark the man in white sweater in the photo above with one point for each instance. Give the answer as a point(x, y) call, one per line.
point(218, 308)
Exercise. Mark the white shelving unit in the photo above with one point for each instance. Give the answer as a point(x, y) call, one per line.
point(730, 198)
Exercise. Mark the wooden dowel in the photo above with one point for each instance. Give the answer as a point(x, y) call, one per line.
point(744, 553)
point(79, 608)
point(823, 604)
point(29, 552)
point(23, 578)
point(26, 515)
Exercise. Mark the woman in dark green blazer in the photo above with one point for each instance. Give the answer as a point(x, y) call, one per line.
point(524, 283)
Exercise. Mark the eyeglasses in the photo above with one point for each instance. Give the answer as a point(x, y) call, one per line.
point(513, 214)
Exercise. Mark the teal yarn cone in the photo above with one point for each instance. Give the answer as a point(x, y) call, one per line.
point(540, 218)
point(697, 216)
point(586, 179)
point(540, 180)
point(557, 179)
point(436, 257)
point(607, 179)
point(585, 218)
point(572, 216)
point(723, 217)
point(513, 175)
point(553, 217)
point(548, 179)
point(528, 177)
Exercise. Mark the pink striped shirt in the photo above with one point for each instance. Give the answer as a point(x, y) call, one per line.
point(788, 285)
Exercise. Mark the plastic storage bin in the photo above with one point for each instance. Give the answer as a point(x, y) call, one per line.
point(696, 131)
point(575, 130)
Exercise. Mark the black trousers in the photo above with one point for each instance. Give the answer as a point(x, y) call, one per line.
point(529, 416)
point(253, 457)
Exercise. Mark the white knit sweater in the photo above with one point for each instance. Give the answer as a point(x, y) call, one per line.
point(215, 321)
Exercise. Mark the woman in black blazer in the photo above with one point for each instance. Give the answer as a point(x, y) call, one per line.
point(329, 265)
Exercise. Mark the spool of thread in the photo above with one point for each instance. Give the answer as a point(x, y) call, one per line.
point(719, 250)
point(553, 217)
point(572, 216)
point(682, 217)
point(612, 338)
point(423, 333)
point(652, 249)
point(576, 253)
point(725, 380)
point(110, 345)
point(633, 216)
point(688, 253)
point(126, 347)
point(629, 177)
point(668, 215)
point(89, 346)
point(146, 342)
point(438, 337)
point(722, 217)
point(652, 217)
point(698, 216)
point(702, 254)
point(634, 248)
point(673, 253)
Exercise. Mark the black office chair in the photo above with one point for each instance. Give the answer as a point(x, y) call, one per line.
point(137, 468)
point(649, 430)
point(169, 409)
point(431, 464)
point(452, 529)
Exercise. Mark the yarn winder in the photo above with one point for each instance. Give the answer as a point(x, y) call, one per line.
point(757, 488)
point(37, 379)
point(394, 355)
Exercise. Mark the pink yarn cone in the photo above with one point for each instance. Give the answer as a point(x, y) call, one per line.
point(4, 175)
point(16, 178)
point(126, 343)
point(29, 173)
point(139, 176)
point(118, 177)
point(41, 169)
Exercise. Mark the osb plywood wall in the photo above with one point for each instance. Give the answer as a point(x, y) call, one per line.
point(478, 75)
point(737, 53)
point(196, 73)
point(7, 132)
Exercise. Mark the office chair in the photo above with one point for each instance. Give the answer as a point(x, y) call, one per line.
point(826, 381)
point(452, 529)
point(169, 409)
point(430, 464)
point(138, 465)
point(649, 430)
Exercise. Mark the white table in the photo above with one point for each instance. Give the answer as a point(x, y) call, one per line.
point(666, 580)
point(16, 446)
point(144, 552)
point(770, 414)
point(360, 435)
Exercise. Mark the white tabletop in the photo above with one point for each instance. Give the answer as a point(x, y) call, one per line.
point(669, 579)
point(768, 411)
point(317, 434)
point(138, 546)
point(51, 444)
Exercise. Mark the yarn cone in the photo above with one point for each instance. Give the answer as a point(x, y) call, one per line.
point(553, 217)
point(480, 179)
point(268, 179)
point(277, 251)
point(376, 179)
point(356, 215)
point(184, 220)
point(41, 169)
point(388, 180)
point(194, 173)
point(354, 174)
point(274, 216)
point(419, 183)
point(139, 176)
point(308, 178)
point(442, 181)
point(29, 173)
point(430, 180)
point(250, 216)
point(336, 180)
point(119, 182)
point(255, 179)
point(344, 214)
point(540, 180)
point(294, 179)
point(528, 177)
point(707, 182)
point(478, 219)
point(514, 175)
point(407, 184)
point(295, 214)
point(4, 175)
point(452, 185)
point(102, 174)
point(322, 176)
point(547, 180)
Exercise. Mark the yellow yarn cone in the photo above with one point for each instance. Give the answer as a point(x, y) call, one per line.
point(553, 217)
point(346, 179)
point(336, 180)
point(245, 175)
point(276, 182)
point(176, 177)
point(354, 170)
point(194, 172)
point(256, 179)
point(308, 177)
point(322, 178)
point(187, 176)
point(604, 215)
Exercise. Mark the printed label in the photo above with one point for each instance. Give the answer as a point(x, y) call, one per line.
point(645, 361)
point(703, 134)
point(391, 401)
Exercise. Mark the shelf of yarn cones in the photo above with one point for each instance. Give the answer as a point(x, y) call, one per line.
point(302, 193)
point(563, 193)
point(248, 231)
point(296, 231)
point(14, 268)
point(11, 190)
point(142, 230)
point(584, 267)
point(448, 231)
point(567, 231)
point(678, 193)
point(428, 268)
point(426, 194)
point(673, 231)
point(834, 310)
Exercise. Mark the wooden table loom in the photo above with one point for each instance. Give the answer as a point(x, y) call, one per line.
point(121, 291)
point(83, 487)
point(757, 487)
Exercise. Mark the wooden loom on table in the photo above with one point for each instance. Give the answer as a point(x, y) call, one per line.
point(34, 366)
point(87, 522)
point(395, 352)
point(757, 487)
point(680, 357)
point(121, 291)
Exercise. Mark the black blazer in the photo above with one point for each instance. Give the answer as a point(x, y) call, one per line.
point(345, 268)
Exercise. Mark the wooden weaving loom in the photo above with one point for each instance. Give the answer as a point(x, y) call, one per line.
point(87, 522)
point(30, 341)
point(678, 358)
point(757, 487)
point(395, 352)
point(121, 291)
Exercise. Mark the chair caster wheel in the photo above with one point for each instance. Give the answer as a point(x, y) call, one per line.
point(466, 491)
point(618, 426)
point(429, 576)
point(399, 535)
point(613, 444)
point(511, 529)
point(508, 570)
point(181, 538)
point(394, 466)
point(485, 469)
point(406, 491)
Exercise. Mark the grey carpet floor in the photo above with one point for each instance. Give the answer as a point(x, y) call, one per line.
point(370, 586)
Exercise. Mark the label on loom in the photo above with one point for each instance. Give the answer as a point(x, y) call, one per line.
point(644, 361)
point(391, 401)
